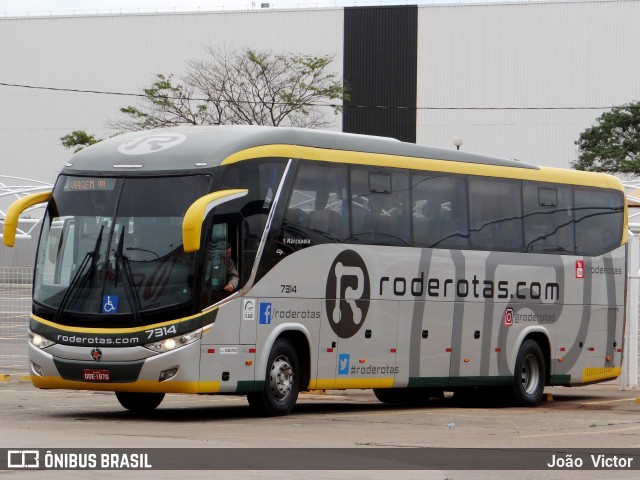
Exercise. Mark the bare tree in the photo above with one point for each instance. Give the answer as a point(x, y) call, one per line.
point(244, 87)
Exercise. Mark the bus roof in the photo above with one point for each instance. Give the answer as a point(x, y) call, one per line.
point(192, 148)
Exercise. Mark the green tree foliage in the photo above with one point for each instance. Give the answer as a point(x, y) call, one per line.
point(78, 139)
point(612, 145)
point(243, 87)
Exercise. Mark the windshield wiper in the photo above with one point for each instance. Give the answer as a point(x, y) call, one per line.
point(122, 261)
point(91, 258)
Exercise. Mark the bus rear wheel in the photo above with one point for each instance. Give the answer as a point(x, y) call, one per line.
point(140, 402)
point(282, 382)
point(529, 374)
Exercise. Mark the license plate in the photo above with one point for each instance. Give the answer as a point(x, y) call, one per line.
point(96, 375)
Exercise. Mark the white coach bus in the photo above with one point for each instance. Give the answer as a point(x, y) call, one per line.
point(356, 262)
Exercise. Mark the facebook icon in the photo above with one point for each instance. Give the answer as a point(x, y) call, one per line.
point(265, 313)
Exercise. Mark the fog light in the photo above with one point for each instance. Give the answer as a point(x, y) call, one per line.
point(167, 374)
point(37, 369)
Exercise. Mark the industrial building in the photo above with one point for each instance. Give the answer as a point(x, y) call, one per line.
point(514, 80)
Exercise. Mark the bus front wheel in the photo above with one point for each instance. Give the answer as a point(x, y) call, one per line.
point(529, 374)
point(282, 382)
point(140, 402)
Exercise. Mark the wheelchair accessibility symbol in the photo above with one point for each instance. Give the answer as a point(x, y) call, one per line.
point(110, 304)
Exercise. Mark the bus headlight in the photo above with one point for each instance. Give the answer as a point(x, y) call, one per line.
point(172, 343)
point(39, 341)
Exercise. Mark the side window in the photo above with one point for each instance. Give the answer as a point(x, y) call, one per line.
point(58, 252)
point(599, 220)
point(548, 218)
point(220, 273)
point(440, 211)
point(248, 215)
point(495, 214)
point(317, 211)
point(380, 208)
point(215, 271)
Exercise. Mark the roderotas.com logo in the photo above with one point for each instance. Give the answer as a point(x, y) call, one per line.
point(347, 294)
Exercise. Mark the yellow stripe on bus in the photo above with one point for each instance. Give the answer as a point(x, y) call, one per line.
point(543, 174)
point(67, 328)
point(340, 383)
point(138, 386)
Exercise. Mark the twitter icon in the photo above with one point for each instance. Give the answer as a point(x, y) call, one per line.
point(343, 364)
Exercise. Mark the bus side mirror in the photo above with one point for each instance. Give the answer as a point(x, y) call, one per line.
point(196, 213)
point(13, 215)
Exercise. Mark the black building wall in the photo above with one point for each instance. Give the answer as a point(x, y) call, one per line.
point(380, 69)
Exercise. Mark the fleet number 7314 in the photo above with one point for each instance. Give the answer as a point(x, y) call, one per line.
point(161, 332)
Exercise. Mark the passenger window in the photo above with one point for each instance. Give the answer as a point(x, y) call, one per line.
point(548, 218)
point(440, 211)
point(599, 220)
point(495, 214)
point(316, 212)
point(380, 207)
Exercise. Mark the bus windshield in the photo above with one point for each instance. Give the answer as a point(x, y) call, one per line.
point(114, 246)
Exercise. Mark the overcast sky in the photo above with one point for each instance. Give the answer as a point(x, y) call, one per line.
point(11, 8)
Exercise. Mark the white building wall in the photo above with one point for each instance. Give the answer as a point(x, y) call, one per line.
point(478, 62)
point(122, 53)
point(485, 72)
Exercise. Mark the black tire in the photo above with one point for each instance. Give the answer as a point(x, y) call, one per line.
point(140, 402)
point(282, 382)
point(388, 395)
point(529, 374)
